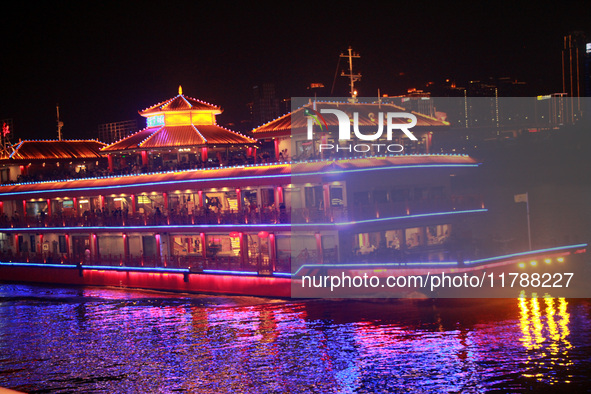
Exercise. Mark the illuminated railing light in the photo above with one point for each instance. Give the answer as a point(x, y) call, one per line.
point(271, 164)
point(373, 266)
point(16, 264)
point(282, 274)
point(137, 269)
point(230, 272)
point(555, 249)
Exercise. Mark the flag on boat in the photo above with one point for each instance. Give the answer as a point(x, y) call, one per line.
point(521, 197)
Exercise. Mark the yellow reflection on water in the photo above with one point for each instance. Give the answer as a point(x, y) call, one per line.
point(524, 323)
point(545, 331)
point(553, 332)
point(565, 319)
point(536, 320)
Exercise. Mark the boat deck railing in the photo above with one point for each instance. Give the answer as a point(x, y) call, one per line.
point(267, 215)
point(255, 263)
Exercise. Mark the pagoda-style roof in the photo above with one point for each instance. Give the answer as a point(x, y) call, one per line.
point(179, 136)
point(180, 122)
point(180, 103)
point(55, 150)
point(368, 112)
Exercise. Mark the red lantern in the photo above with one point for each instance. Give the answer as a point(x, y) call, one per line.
point(234, 234)
point(263, 234)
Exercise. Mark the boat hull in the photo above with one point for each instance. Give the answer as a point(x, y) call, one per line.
point(264, 286)
point(491, 277)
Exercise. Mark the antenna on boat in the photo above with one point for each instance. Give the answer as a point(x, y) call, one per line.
point(352, 77)
point(59, 124)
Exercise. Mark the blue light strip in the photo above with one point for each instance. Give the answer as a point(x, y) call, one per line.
point(388, 168)
point(140, 228)
point(230, 272)
point(181, 96)
point(142, 184)
point(377, 265)
point(16, 149)
point(421, 215)
point(244, 166)
point(198, 132)
point(235, 178)
point(427, 264)
point(138, 269)
point(284, 274)
point(98, 267)
point(288, 275)
point(9, 264)
point(556, 249)
point(281, 226)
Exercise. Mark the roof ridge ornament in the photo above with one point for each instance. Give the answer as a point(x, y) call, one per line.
point(180, 90)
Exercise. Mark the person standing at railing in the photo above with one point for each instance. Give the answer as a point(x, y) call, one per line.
point(16, 219)
point(157, 216)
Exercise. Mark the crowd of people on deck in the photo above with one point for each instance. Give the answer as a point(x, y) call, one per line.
point(63, 173)
point(211, 213)
point(60, 174)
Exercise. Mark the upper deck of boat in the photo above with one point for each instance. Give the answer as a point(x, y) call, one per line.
point(241, 175)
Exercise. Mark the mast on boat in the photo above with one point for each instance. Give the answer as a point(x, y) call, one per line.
point(352, 76)
point(59, 123)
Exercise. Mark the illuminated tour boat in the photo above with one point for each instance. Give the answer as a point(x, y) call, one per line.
point(187, 205)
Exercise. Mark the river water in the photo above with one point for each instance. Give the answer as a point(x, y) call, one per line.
point(93, 340)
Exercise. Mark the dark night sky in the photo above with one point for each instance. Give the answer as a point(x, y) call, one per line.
point(104, 61)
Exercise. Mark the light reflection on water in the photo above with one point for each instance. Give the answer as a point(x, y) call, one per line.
point(546, 337)
point(109, 340)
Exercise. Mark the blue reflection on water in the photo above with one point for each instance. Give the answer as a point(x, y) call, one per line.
point(109, 340)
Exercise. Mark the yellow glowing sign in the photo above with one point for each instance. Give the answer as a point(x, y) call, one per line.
point(181, 119)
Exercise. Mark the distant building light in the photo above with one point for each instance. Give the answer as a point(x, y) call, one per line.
point(316, 85)
point(589, 47)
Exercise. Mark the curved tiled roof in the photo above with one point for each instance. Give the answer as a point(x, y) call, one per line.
point(132, 141)
point(176, 136)
point(184, 135)
point(214, 134)
point(367, 117)
point(180, 103)
point(60, 150)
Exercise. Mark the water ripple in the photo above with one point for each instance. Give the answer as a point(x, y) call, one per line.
point(59, 340)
